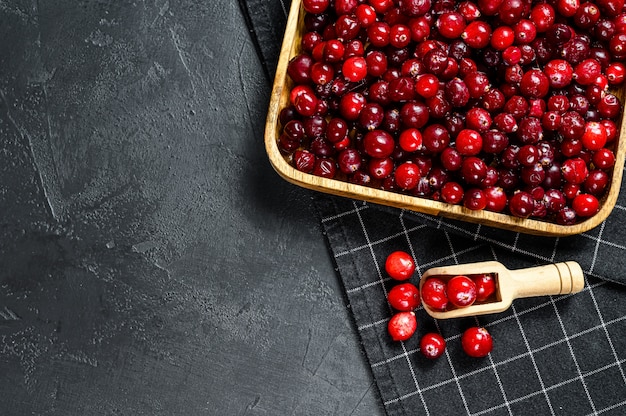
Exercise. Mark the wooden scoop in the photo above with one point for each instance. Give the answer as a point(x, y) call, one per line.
point(551, 279)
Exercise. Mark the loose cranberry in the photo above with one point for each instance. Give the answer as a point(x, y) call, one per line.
point(432, 345)
point(380, 168)
point(399, 265)
point(597, 182)
point(475, 199)
point(315, 6)
point(410, 140)
point(478, 119)
point(451, 159)
point(502, 37)
point(469, 142)
point(477, 34)
point(604, 159)
point(304, 160)
point(554, 200)
point(452, 193)
point(325, 167)
point(594, 137)
point(461, 291)
point(521, 204)
point(616, 73)
point(496, 198)
point(404, 297)
point(477, 342)
point(567, 8)
point(378, 143)
point(525, 31)
point(402, 326)
point(407, 175)
point(450, 24)
point(485, 286)
point(534, 84)
point(351, 105)
point(585, 205)
point(435, 138)
point(609, 106)
point(427, 85)
point(414, 114)
point(489, 7)
point(473, 170)
point(371, 116)
point(566, 216)
point(434, 293)
point(611, 8)
point(574, 170)
point(543, 16)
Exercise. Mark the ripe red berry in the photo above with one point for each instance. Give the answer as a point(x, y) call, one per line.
point(402, 326)
point(585, 205)
point(461, 291)
point(432, 345)
point(399, 265)
point(434, 293)
point(477, 342)
point(485, 286)
point(404, 297)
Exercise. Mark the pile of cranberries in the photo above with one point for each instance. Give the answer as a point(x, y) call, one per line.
point(441, 293)
point(404, 298)
point(503, 105)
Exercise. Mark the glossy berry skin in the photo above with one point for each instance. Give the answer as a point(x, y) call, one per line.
point(585, 205)
point(404, 297)
point(477, 342)
point(399, 265)
point(485, 286)
point(432, 345)
point(434, 294)
point(461, 291)
point(402, 326)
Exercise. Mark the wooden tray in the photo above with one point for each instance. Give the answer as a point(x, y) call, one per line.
point(280, 99)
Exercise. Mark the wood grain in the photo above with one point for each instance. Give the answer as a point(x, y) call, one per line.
point(280, 162)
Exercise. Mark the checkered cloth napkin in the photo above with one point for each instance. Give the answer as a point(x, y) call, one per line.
point(556, 355)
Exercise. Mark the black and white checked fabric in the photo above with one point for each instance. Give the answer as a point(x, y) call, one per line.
point(559, 355)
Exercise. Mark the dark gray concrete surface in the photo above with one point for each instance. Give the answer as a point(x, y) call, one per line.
point(151, 261)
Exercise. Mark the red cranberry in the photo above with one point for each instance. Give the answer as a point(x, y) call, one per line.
point(574, 170)
point(596, 183)
point(407, 175)
point(475, 199)
point(452, 193)
point(434, 293)
point(435, 138)
point(461, 291)
point(432, 345)
point(380, 168)
point(604, 159)
point(325, 167)
point(485, 286)
point(402, 326)
point(477, 342)
point(410, 140)
point(521, 204)
point(477, 34)
point(469, 142)
point(543, 16)
point(378, 143)
point(404, 297)
point(399, 265)
point(585, 205)
point(496, 198)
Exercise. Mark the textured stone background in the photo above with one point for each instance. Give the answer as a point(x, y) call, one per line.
point(151, 261)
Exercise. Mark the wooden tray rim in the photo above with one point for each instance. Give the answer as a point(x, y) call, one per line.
point(414, 203)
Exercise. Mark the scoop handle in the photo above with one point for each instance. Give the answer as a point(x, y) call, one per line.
point(551, 279)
